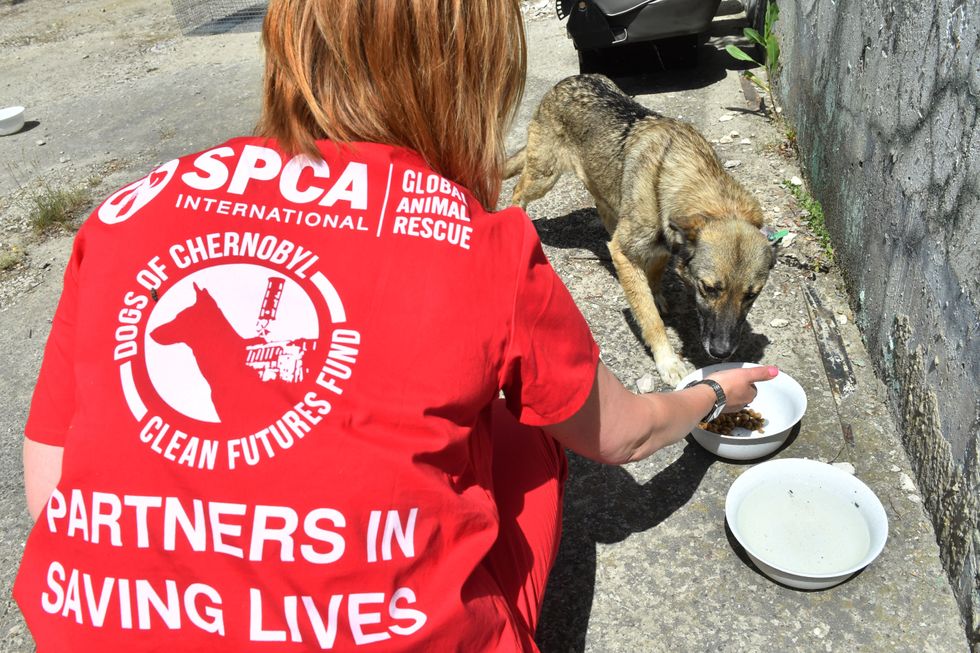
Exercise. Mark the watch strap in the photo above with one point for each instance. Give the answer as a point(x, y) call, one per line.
point(720, 398)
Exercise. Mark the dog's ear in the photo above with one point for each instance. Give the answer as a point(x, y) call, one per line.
point(683, 231)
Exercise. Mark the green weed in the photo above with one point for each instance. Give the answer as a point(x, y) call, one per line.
point(50, 206)
point(767, 41)
point(10, 258)
point(814, 216)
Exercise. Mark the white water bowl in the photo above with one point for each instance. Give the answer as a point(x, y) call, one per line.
point(11, 120)
point(804, 523)
point(781, 402)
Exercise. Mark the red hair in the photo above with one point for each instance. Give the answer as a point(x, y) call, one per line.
point(441, 77)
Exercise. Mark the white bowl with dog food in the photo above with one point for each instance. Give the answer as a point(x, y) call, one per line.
point(11, 120)
point(781, 402)
point(804, 523)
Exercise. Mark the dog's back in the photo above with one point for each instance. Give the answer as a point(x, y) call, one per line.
point(586, 124)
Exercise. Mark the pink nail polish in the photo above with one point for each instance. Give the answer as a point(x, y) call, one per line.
point(773, 370)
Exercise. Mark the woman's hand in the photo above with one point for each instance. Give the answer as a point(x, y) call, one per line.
point(739, 384)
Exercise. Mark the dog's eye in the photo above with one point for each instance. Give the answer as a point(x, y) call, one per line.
point(708, 290)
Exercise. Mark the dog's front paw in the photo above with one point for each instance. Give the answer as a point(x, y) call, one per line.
point(672, 371)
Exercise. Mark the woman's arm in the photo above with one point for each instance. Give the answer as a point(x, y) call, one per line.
point(616, 426)
point(42, 471)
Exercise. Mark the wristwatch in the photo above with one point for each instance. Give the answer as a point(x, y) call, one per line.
point(720, 398)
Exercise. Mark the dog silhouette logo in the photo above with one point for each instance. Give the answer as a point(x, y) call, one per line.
point(231, 345)
point(126, 201)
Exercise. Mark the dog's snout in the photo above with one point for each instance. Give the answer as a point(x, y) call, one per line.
point(721, 353)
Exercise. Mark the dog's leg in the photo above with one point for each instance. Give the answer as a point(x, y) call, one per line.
point(655, 272)
point(515, 164)
point(634, 281)
point(542, 168)
point(606, 213)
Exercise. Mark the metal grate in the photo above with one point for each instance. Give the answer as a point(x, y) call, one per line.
point(219, 16)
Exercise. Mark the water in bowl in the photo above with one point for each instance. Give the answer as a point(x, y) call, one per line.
point(803, 529)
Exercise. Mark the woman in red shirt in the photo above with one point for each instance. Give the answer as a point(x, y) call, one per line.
point(268, 416)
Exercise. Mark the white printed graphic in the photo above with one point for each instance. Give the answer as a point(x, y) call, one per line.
point(130, 199)
point(226, 332)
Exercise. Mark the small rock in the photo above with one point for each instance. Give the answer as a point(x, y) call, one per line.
point(645, 383)
point(64, 159)
point(733, 135)
point(796, 181)
point(895, 468)
point(906, 483)
point(725, 140)
point(41, 142)
point(745, 141)
point(859, 362)
point(845, 467)
point(726, 118)
point(841, 319)
point(914, 498)
point(734, 163)
point(787, 240)
point(779, 323)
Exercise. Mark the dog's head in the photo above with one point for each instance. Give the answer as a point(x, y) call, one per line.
point(726, 261)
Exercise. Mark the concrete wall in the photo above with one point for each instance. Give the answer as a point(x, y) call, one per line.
point(885, 97)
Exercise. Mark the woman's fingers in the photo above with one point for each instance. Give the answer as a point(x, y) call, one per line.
point(740, 384)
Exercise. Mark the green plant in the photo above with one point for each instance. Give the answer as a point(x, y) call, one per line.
point(10, 257)
point(767, 41)
point(814, 216)
point(51, 206)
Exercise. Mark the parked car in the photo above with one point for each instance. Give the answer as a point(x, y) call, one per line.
point(596, 25)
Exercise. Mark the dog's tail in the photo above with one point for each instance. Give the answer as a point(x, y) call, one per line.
point(515, 164)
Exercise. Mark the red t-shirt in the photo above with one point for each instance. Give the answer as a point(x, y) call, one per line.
point(271, 378)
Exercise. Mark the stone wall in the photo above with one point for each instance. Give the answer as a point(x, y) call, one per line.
point(884, 97)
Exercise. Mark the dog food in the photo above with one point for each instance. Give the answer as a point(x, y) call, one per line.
point(726, 423)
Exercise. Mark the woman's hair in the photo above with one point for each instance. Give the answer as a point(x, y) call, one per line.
point(441, 77)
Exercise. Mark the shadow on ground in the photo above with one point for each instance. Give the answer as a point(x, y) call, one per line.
point(604, 504)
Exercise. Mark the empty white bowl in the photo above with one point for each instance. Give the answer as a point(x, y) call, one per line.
point(11, 120)
point(781, 402)
point(804, 523)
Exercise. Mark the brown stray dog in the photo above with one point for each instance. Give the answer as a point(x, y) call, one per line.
point(660, 191)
